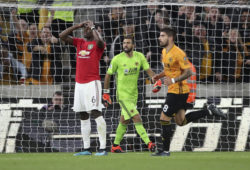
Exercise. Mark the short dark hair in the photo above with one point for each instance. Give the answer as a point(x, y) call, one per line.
point(169, 31)
point(130, 38)
point(46, 27)
point(58, 93)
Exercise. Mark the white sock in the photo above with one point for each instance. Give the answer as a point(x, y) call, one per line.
point(85, 130)
point(101, 129)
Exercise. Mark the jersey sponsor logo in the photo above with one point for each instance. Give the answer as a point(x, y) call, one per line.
point(90, 46)
point(130, 71)
point(84, 54)
point(136, 63)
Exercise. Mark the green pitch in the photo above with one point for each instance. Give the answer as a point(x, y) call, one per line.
point(127, 161)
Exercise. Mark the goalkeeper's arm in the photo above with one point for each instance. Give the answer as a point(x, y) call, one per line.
point(106, 97)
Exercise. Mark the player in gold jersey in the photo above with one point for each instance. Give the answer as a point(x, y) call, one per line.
point(176, 71)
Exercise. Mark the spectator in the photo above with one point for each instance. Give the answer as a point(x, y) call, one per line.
point(244, 26)
point(33, 32)
point(148, 15)
point(229, 68)
point(11, 70)
point(46, 65)
point(104, 62)
point(214, 25)
point(226, 25)
point(57, 103)
point(187, 18)
point(202, 53)
point(161, 19)
point(112, 24)
point(29, 14)
point(19, 40)
point(247, 63)
point(59, 20)
point(129, 29)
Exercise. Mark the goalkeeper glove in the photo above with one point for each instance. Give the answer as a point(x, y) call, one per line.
point(106, 98)
point(157, 86)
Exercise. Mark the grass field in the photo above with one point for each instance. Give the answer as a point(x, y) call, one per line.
point(127, 161)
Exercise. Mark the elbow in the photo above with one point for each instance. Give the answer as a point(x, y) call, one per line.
point(189, 72)
point(100, 44)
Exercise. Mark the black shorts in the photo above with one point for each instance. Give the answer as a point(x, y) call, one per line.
point(174, 103)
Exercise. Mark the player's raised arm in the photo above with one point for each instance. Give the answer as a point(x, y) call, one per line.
point(97, 37)
point(65, 35)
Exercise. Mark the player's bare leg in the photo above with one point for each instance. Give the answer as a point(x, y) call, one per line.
point(101, 129)
point(120, 131)
point(142, 132)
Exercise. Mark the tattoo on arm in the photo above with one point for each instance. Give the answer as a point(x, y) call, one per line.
point(186, 74)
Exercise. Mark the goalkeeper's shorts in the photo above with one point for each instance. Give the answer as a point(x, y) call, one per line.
point(129, 109)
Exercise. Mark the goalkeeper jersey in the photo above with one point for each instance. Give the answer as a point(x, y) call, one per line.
point(127, 71)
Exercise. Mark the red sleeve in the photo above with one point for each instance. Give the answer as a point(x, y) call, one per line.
point(77, 41)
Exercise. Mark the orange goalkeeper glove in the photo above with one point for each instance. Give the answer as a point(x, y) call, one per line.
point(157, 86)
point(106, 99)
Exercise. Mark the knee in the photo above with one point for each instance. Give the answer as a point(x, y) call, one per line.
point(179, 123)
point(95, 114)
point(124, 122)
point(137, 118)
point(165, 123)
point(84, 115)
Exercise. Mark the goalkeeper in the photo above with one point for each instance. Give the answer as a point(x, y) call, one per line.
point(126, 66)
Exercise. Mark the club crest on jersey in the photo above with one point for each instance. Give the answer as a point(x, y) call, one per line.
point(84, 54)
point(170, 59)
point(136, 63)
point(126, 71)
point(90, 46)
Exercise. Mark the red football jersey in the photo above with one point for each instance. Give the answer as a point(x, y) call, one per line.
point(88, 56)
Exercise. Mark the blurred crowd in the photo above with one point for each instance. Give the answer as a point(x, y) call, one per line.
point(215, 39)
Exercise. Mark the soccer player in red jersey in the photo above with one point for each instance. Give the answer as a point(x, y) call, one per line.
point(87, 98)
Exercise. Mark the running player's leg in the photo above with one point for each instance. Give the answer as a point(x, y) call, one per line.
point(120, 131)
point(181, 119)
point(101, 129)
point(168, 111)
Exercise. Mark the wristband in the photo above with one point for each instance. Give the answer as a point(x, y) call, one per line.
point(106, 91)
point(93, 28)
point(173, 81)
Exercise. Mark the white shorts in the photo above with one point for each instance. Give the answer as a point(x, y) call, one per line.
point(88, 97)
